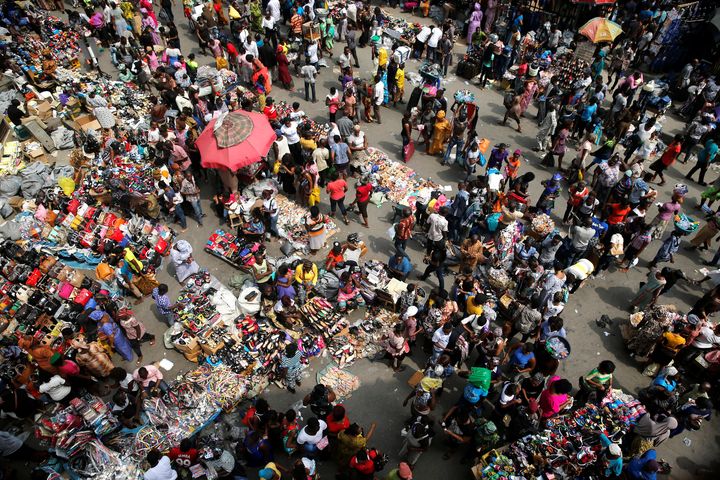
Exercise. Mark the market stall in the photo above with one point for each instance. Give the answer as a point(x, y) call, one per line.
point(569, 443)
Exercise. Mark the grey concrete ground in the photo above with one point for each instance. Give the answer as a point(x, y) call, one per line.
point(380, 396)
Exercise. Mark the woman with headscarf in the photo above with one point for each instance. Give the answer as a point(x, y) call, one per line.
point(110, 332)
point(183, 261)
point(475, 21)
point(283, 65)
point(441, 133)
point(650, 433)
point(149, 22)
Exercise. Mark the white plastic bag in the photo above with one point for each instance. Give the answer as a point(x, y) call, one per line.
point(391, 231)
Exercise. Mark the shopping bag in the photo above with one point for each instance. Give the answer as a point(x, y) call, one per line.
point(408, 151)
point(391, 231)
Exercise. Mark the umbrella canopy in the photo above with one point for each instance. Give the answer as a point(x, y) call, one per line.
point(235, 140)
point(601, 29)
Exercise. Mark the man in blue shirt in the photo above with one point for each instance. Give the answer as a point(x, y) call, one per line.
point(339, 154)
point(704, 158)
point(399, 266)
point(644, 467)
point(586, 116)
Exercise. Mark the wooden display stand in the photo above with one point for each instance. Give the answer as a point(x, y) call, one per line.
point(309, 32)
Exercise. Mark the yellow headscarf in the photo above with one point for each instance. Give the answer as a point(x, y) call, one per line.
point(441, 114)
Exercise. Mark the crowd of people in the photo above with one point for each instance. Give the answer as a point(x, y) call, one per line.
point(484, 234)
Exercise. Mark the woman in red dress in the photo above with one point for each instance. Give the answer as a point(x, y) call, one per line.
point(283, 69)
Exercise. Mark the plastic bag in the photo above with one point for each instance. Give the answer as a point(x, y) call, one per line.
point(480, 377)
point(391, 231)
point(67, 185)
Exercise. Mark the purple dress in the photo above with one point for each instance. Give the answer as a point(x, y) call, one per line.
point(122, 345)
point(475, 21)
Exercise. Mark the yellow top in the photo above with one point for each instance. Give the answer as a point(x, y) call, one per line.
point(382, 57)
point(301, 276)
point(400, 78)
point(473, 309)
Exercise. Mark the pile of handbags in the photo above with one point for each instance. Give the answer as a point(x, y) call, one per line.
point(37, 291)
point(79, 225)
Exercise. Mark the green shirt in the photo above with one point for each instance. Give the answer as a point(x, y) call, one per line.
point(597, 377)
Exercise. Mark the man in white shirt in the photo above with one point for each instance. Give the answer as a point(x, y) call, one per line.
point(268, 25)
point(581, 236)
point(251, 47)
point(344, 59)
point(312, 53)
point(420, 39)
point(273, 7)
point(437, 228)
point(378, 97)
point(432, 43)
point(308, 71)
point(309, 9)
point(160, 467)
point(440, 340)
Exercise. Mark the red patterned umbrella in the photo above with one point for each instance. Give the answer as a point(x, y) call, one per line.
point(235, 140)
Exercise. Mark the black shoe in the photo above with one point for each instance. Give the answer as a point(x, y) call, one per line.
point(291, 390)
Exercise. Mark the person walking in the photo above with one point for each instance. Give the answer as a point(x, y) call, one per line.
point(705, 157)
point(191, 194)
point(291, 366)
point(403, 230)
point(336, 188)
point(378, 97)
point(309, 73)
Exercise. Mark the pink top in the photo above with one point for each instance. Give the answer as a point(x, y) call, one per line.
point(336, 189)
point(550, 402)
point(154, 375)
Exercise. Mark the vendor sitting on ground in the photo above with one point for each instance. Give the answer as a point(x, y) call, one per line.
point(349, 296)
point(286, 311)
point(306, 276)
point(334, 256)
point(399, 266)
point(262, 270)
point(255, 228)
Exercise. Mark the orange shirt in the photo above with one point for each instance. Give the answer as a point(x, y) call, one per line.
point(296, 22)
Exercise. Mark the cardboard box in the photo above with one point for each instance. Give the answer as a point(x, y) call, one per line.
point(88, 122)
point(36, 154)
point(212, 349)
point(41, 109)
point(189, 345)
point(94, 125)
